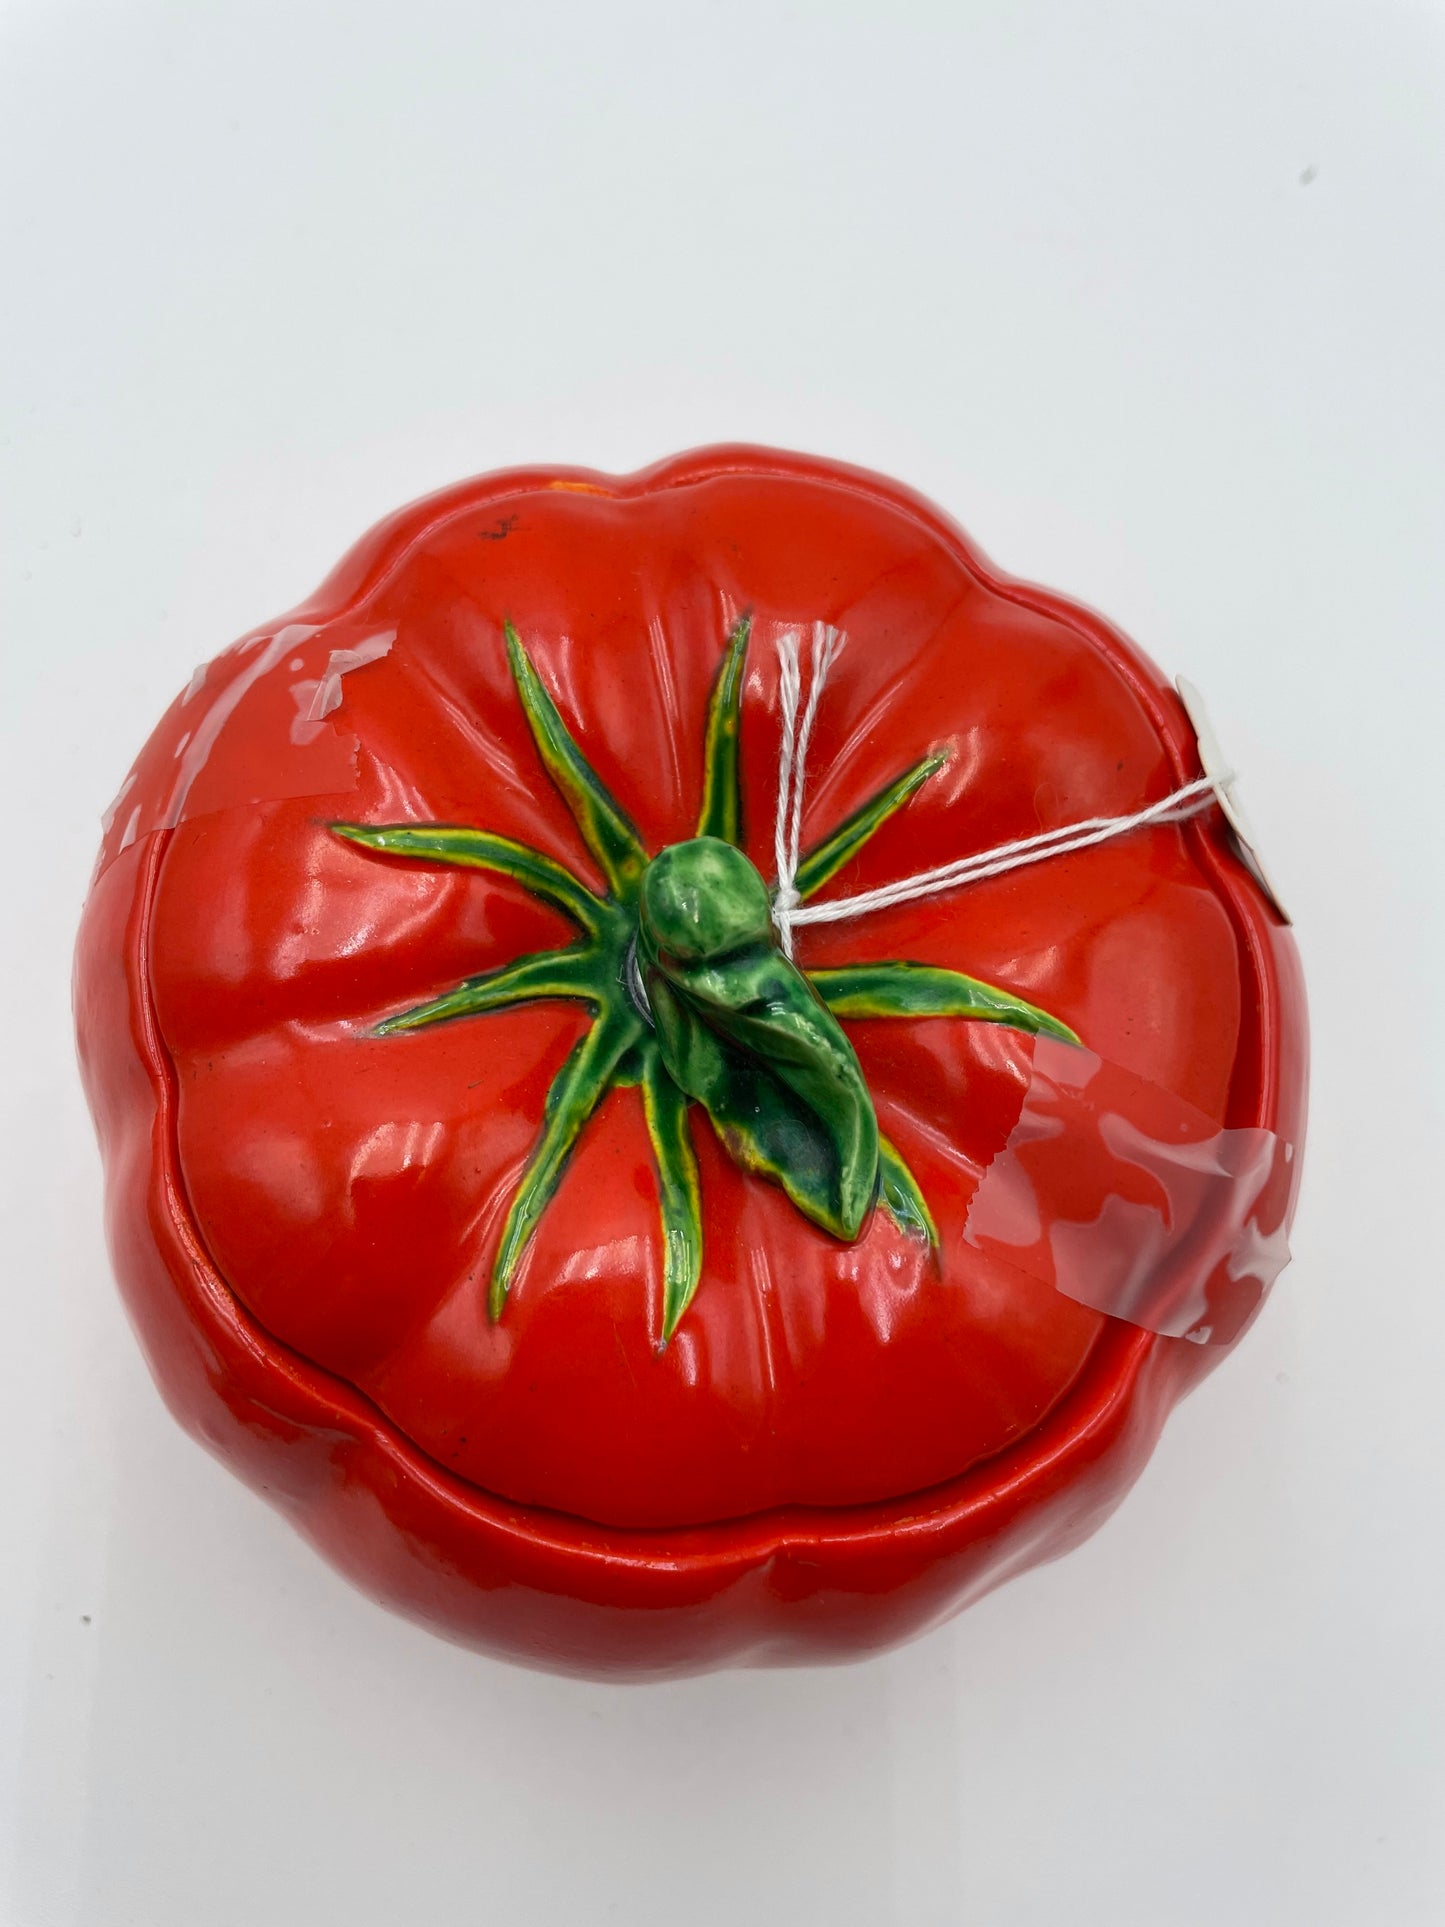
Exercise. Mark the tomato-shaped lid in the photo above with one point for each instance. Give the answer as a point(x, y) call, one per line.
point(499, 1095)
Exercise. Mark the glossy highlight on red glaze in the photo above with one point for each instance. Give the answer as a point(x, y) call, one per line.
point(842, 1443)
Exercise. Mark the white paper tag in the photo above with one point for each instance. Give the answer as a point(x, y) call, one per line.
point(1216, 766)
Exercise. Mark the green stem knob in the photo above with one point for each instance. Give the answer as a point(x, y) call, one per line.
point(745, 1035)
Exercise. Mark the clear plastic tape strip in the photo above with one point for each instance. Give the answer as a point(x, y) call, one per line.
point(1133, 1202)
point(290, 685)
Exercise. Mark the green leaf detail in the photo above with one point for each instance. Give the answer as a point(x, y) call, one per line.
point(848, 839)
point(750, 1041)
point(479, 850)
point(722, 804)
point(923, 990)
point(546, 973)
point(679, 1194)
point(899, 1193)
point(632, 1065)
point(606, 829)
point(738, 1029)
point(577, 1090)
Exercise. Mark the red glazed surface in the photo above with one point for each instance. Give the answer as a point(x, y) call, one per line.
point(842, 1444)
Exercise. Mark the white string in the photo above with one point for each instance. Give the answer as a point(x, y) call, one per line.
point(788, 908)
point(785, 899)
point(1188, 801)
point(793, 762)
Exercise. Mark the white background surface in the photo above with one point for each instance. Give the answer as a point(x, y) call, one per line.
point(1152, 297)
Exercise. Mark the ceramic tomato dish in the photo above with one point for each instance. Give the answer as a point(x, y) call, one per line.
point(686, 1072)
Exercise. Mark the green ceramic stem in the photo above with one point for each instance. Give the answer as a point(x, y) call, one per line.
point(820, 865)
point(722, 804)
point(606, 829)
point(924, 990)
point(470, 849)
point(744, 1034)
point(576, 1091)
point(722, 1018)
point(679, 1194)
point(547, 973)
